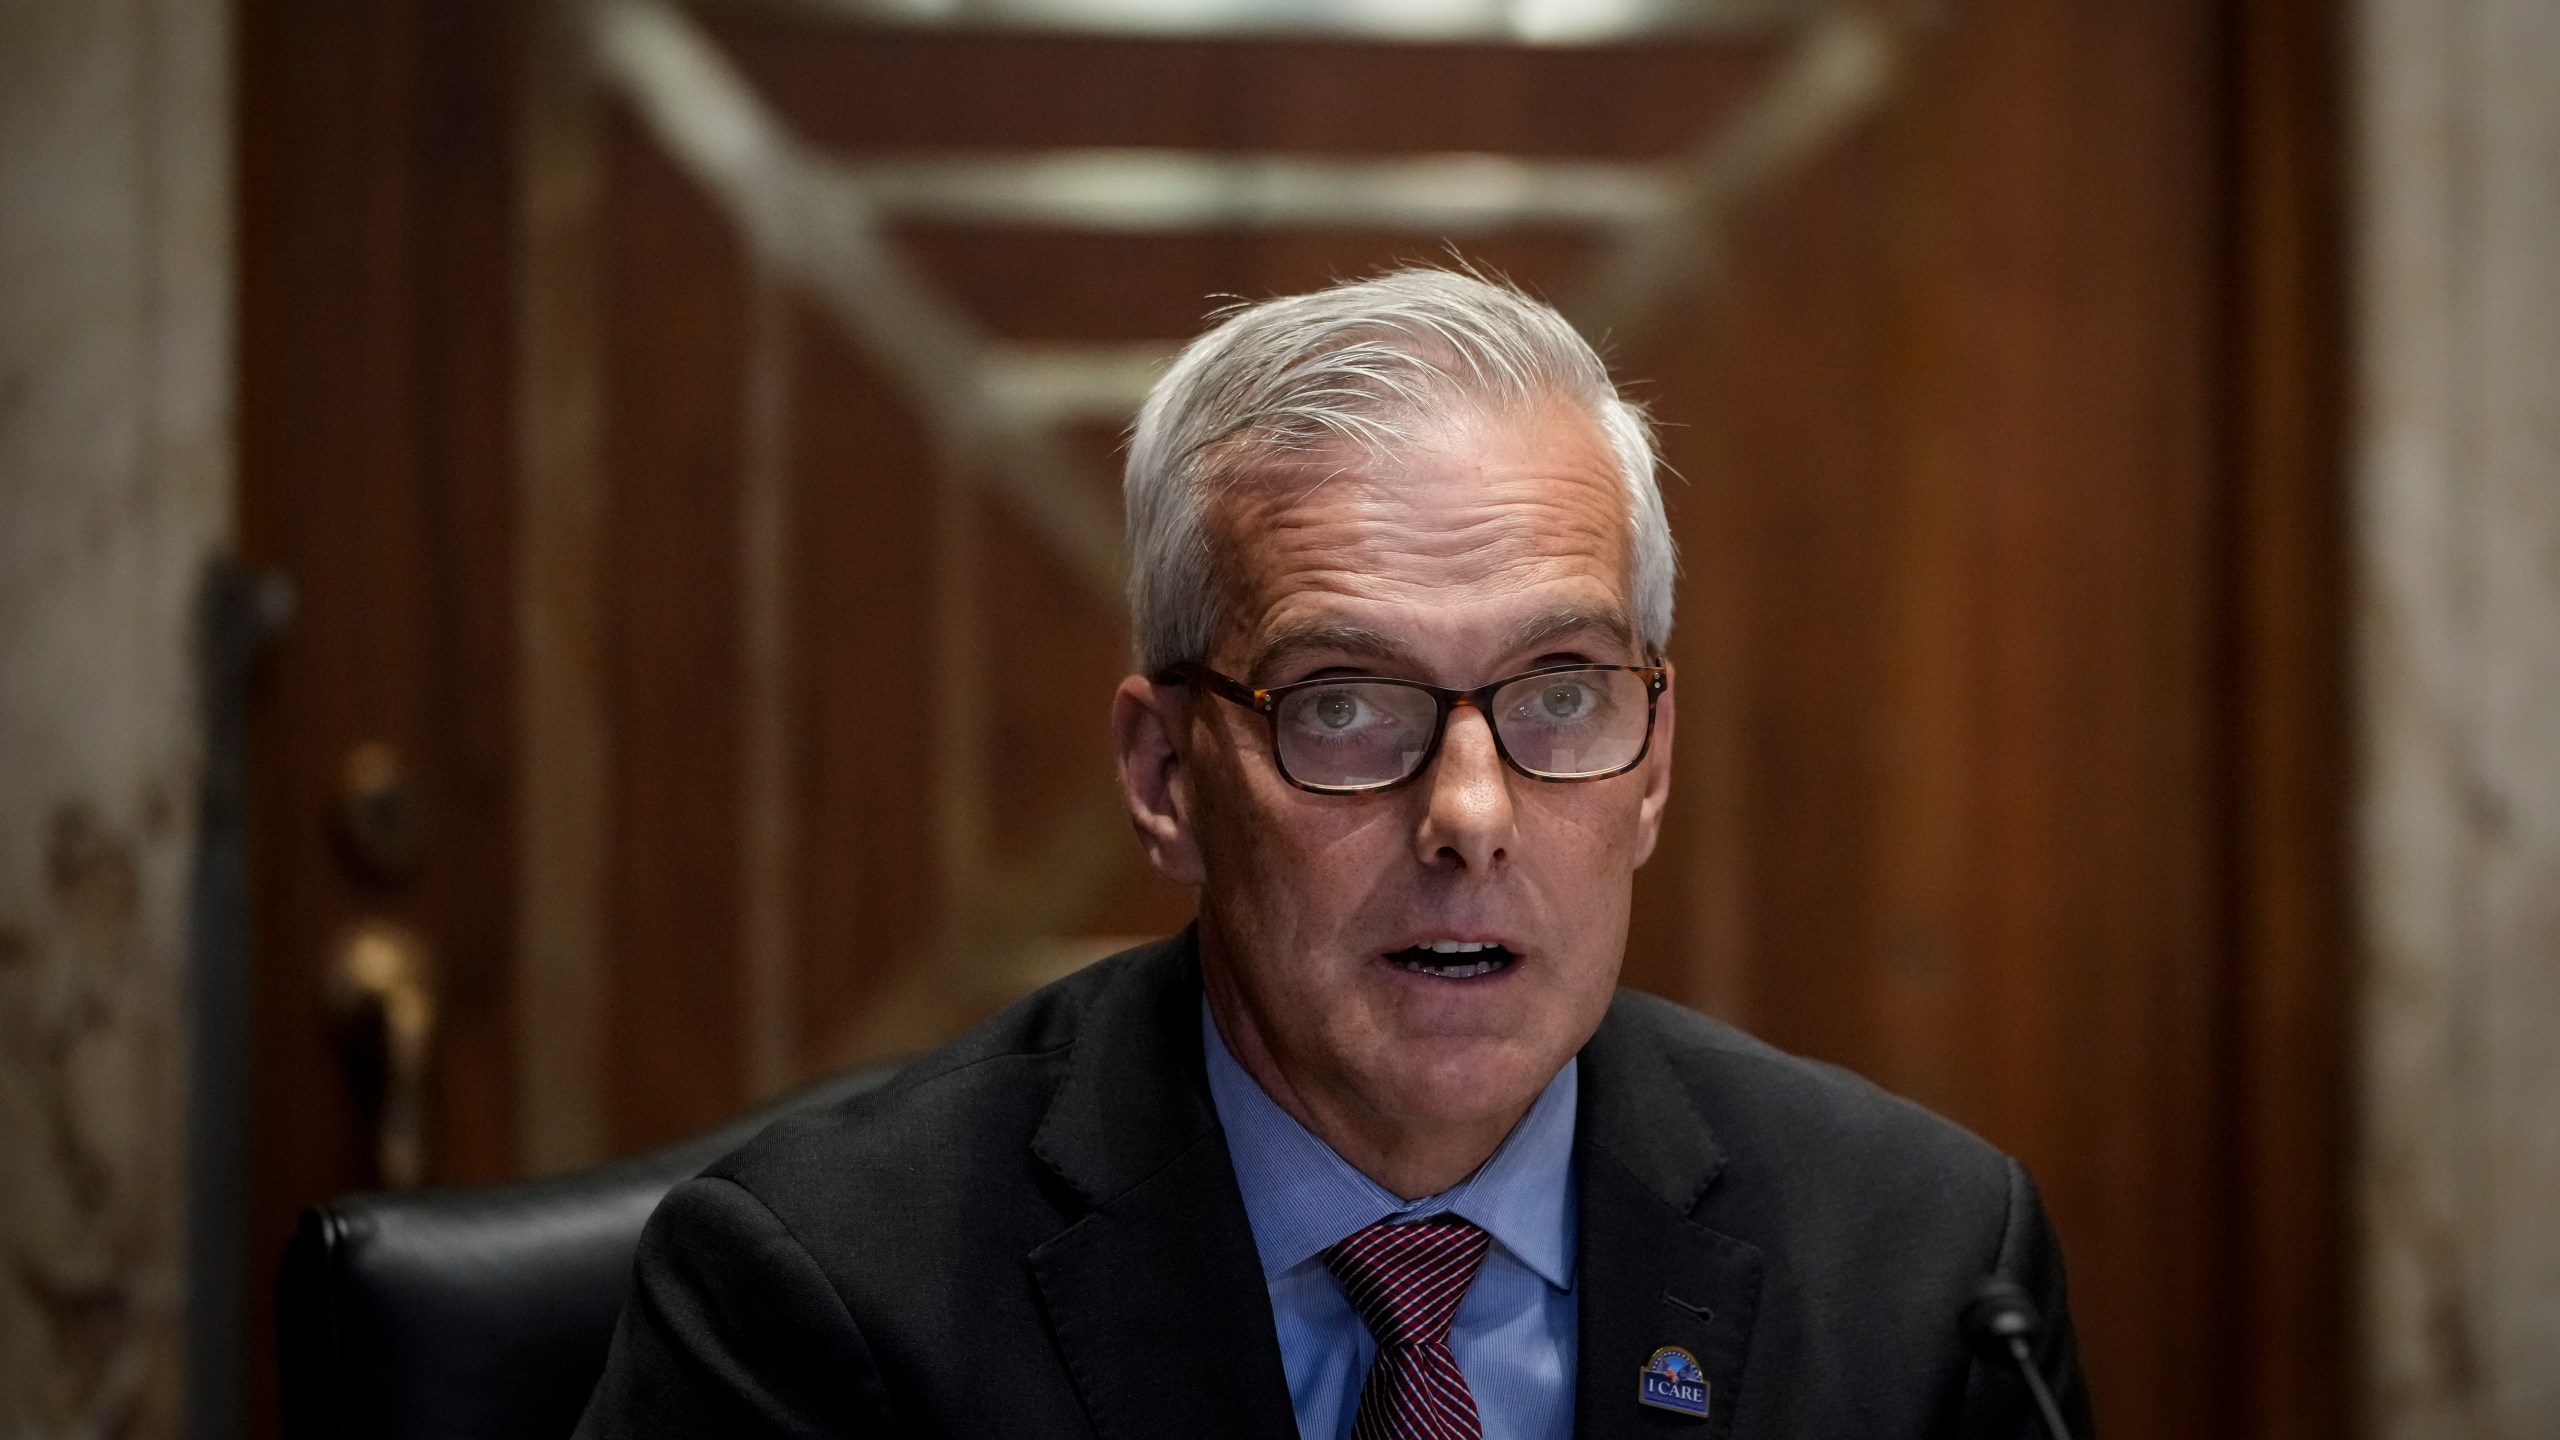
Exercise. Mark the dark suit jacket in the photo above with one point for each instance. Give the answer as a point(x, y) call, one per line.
point(1036, 1232)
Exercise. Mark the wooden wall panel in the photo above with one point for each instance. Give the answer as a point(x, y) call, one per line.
point(865, 473)
point(2286, 677)
point(677, 296)
point(2031, 534)
point(861, 90)
point(2068, 167)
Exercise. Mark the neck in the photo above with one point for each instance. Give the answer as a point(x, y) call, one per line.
point(1408, 1157)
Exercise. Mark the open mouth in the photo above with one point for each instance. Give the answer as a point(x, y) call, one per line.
point(1453, 959)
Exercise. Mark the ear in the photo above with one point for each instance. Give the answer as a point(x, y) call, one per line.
point(1657, 767)
point(1146, 727)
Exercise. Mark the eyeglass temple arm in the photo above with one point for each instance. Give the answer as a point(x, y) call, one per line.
point(1211, 681)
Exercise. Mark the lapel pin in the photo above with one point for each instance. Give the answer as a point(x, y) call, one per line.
point(1672, 1381)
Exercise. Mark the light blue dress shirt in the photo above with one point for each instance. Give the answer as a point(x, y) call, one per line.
point(1514, 1336)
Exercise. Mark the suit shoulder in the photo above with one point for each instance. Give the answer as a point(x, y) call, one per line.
point(1822, 1118)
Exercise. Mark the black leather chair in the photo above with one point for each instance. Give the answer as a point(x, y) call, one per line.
point(439, 1314)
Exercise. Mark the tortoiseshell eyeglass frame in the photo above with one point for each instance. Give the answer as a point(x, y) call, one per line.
point(1266, 702)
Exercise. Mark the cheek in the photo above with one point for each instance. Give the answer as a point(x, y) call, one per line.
point(1260, 838)
point(1292, 873)
point(1592, 829)
point(1223, 819)
point(1305, 865)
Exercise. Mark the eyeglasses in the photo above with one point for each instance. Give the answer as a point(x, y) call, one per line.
point(1353, 734)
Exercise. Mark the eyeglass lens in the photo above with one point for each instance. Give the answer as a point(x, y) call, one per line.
point(1564, 726)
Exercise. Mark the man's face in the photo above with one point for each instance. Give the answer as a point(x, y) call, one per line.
point(1499, 546)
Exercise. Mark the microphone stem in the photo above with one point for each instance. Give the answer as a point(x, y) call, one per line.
point(2034, 1374)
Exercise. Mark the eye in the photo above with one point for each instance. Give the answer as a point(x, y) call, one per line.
point(1564, 699)
point(1336, 709)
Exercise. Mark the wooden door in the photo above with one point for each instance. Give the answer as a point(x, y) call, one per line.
point(691, 433)
point(376, 431)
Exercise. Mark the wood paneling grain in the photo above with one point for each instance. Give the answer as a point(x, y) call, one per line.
point(676, 316)
point(2287, 688)
point(2020, 443)
point(872, 687)
point(2070, 285)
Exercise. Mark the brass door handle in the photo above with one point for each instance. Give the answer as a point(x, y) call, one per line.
point(382, 993)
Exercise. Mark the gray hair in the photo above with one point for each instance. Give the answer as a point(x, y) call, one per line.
point(1357, 364)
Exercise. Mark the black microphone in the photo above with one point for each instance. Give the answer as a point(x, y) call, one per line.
point(2001, 1322)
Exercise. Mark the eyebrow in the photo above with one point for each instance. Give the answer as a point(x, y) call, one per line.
point(1540, 632)
point(1331, 636)
point(1537, 633)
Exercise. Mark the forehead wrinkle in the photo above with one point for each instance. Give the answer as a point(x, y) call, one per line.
point(1483, 532)
point(1487, 506)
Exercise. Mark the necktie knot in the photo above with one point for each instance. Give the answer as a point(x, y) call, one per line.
point(1406, 1281)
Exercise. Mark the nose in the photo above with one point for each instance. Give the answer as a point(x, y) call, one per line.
point(1468, 820)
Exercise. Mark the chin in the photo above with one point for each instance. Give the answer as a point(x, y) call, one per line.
point(1451, 1080)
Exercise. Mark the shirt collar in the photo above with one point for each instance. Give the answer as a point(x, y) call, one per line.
point(1301, 1198)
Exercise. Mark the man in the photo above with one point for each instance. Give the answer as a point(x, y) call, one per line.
point(1376, 1148)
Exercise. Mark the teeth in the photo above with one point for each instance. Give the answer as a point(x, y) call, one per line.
point(1457, 972)
point(1456, 959)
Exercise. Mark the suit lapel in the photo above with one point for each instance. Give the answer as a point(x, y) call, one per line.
point(1649, 1276)
point(1155, 1297)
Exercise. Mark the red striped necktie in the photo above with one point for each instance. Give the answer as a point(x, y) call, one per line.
point(1406, 1282)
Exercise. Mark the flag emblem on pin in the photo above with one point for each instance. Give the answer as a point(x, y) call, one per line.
point(1672, 1381)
